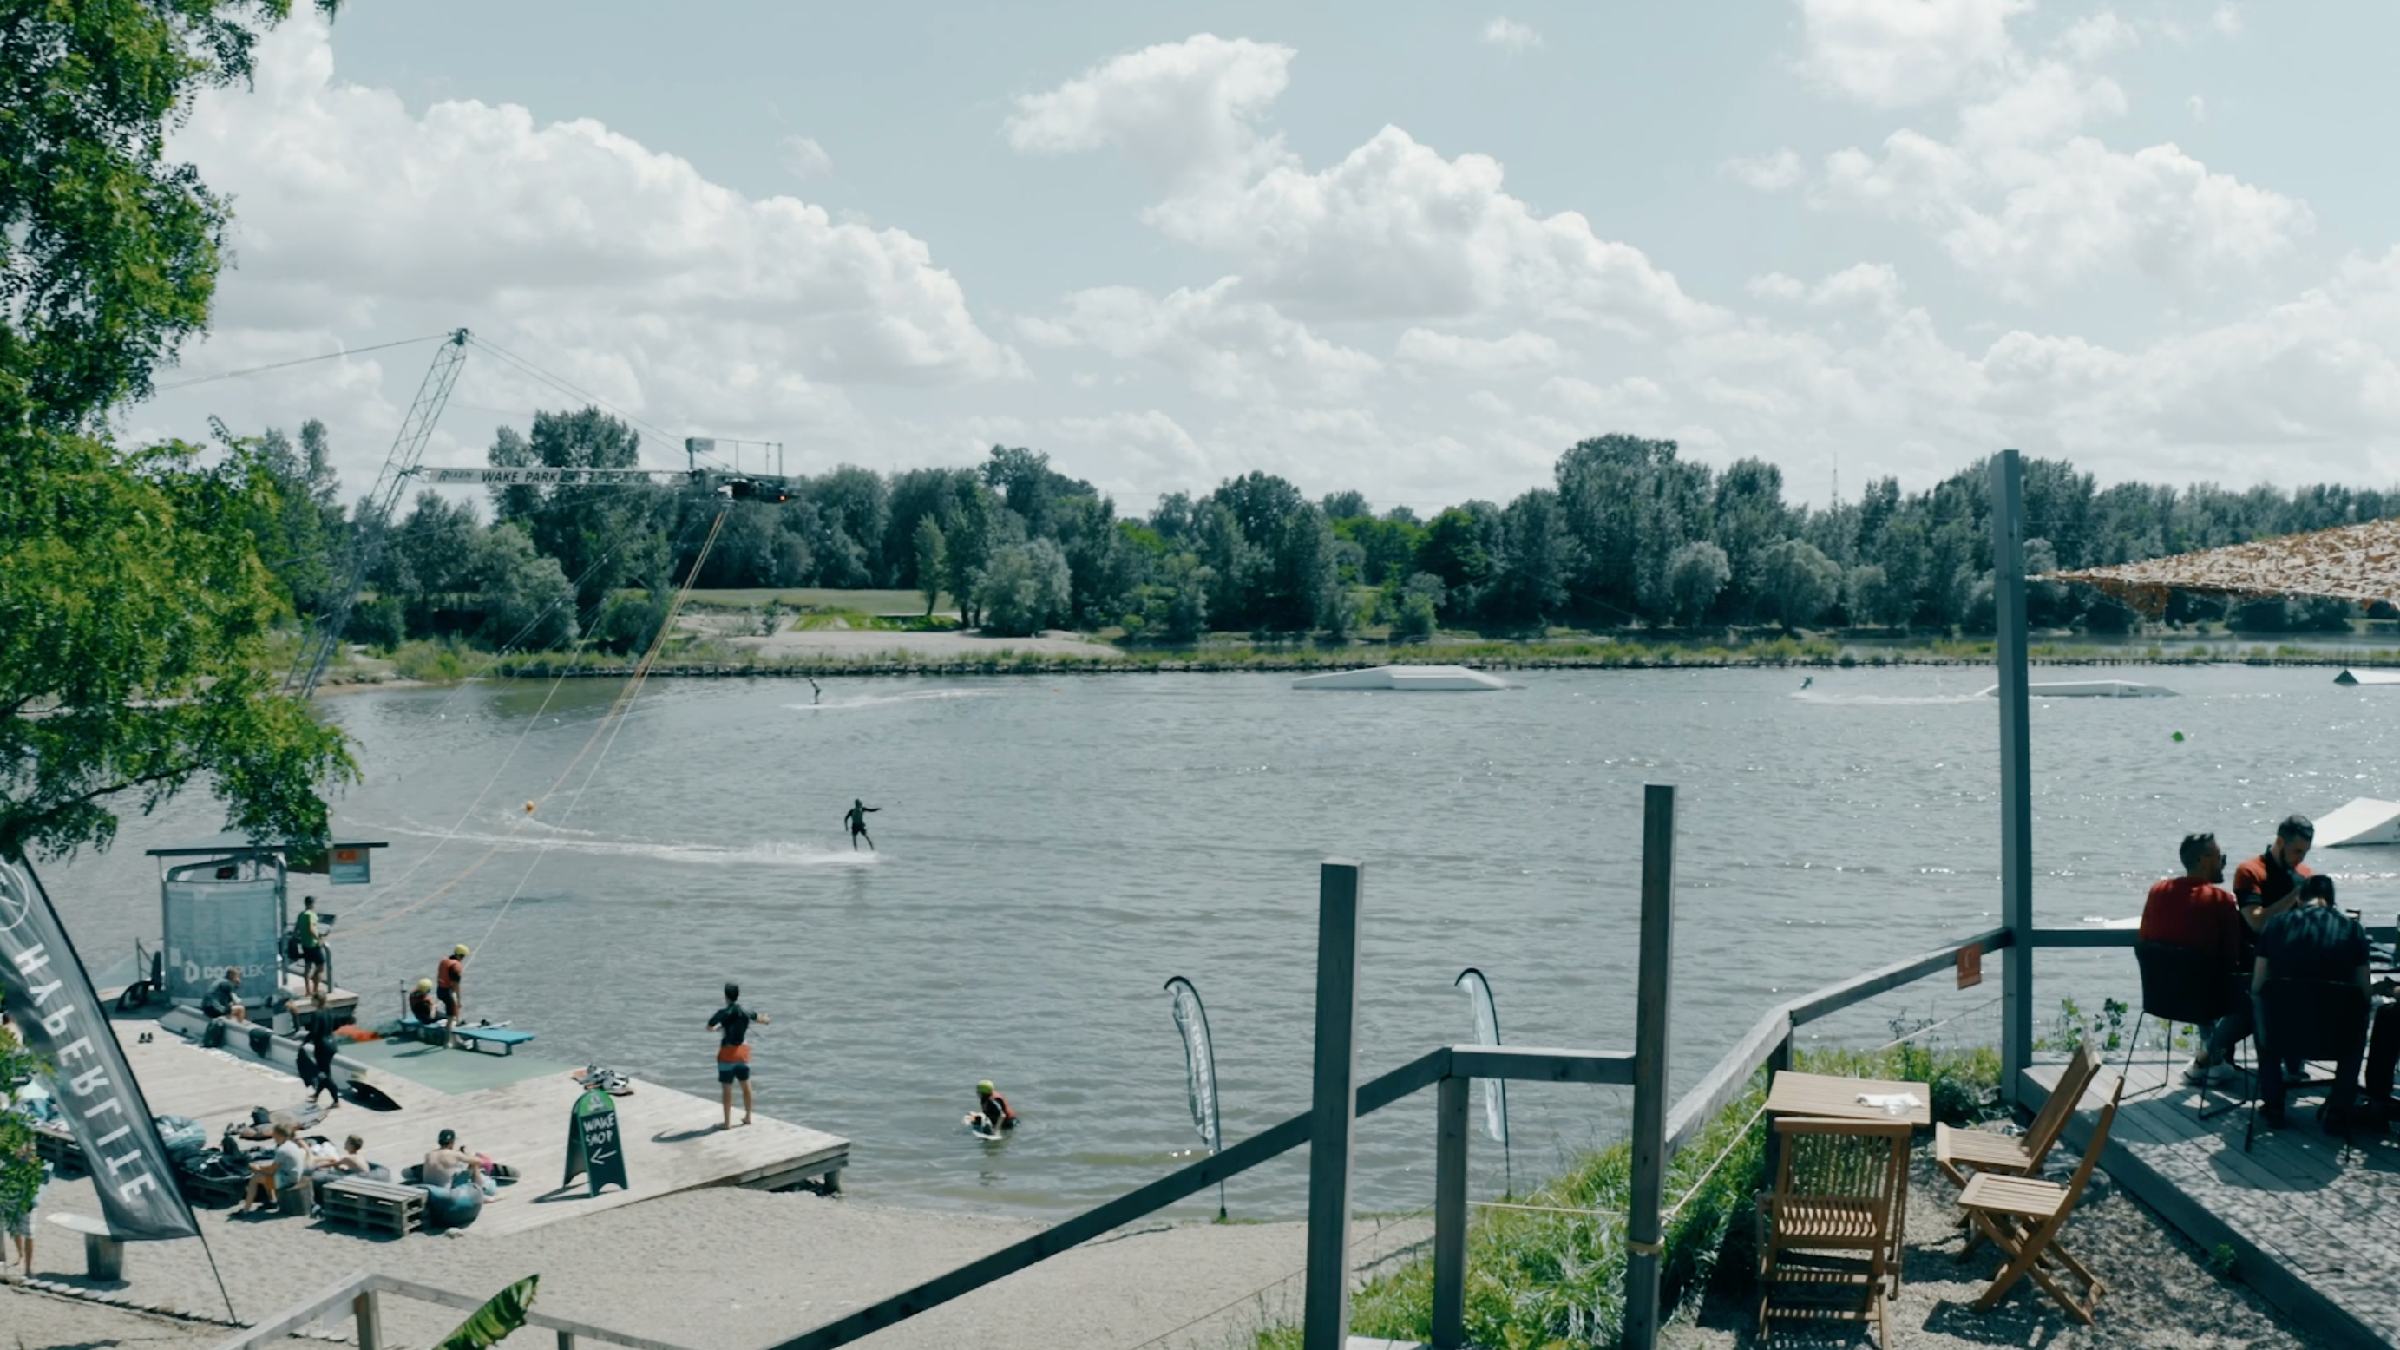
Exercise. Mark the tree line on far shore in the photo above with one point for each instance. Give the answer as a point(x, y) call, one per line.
point(1629, 534)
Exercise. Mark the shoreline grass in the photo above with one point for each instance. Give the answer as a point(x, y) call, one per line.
point(1553, 1273)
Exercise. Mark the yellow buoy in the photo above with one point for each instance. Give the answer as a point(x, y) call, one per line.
point(529, 808)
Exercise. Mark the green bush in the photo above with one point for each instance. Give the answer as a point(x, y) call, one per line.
point(381, 623)
point(441, 660)
point(1538, 1279)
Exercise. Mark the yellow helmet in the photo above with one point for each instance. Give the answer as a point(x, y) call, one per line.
point(424, 986)
point(459, 950)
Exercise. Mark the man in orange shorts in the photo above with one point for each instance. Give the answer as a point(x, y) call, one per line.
point(732, 1025)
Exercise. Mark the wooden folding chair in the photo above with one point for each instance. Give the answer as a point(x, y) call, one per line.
point(1960, 1153)
point(2022, 1216)
point(1836, 1205)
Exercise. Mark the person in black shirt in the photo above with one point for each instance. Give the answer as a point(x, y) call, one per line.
point(732, 1025)
point(2312, 942)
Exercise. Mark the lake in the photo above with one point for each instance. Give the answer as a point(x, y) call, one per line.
point(1052, 849)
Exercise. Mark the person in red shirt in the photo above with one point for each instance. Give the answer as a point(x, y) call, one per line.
point(2194, 911)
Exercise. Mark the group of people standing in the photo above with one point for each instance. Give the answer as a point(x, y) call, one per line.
point(2278, 922)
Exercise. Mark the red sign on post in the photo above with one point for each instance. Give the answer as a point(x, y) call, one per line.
point(1970, 967)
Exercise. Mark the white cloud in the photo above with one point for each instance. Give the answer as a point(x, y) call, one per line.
point(1767, 173)
point(2197, 107)
point(1894, 53)
point(1224, 346)
point(2096, 36)
point(2227, 20)
point(805, 158)
point(1518, 351)
point(619, 266)
point(1178, 108)
point(1510, 35)
point(1393, 230)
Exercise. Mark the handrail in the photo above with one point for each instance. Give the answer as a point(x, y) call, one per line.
point(1275, 1141)
point(1828, 1001)
point(360, 1291)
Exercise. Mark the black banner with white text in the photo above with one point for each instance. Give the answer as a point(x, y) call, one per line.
point(59, 1016)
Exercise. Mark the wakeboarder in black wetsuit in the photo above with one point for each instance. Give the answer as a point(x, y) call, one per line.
point(856, 819)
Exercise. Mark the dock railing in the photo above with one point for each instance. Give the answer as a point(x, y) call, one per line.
point(363, 1294)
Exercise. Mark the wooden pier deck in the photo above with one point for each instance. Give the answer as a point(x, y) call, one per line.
point(2316, 1234)
point(515, 1109)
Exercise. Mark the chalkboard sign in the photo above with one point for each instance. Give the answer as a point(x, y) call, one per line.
point(595, 1151)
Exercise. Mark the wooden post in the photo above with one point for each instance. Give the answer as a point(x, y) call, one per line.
point(368, 1316)
point(566, 1340)
point(1450, 1215)
point(1642, 1231)
point(1778, 1059)
point(2016, 772)
point(1325, 1316)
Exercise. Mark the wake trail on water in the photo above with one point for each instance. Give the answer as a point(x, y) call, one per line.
point(885, 700)
point(767, 853)
point(1884, 700)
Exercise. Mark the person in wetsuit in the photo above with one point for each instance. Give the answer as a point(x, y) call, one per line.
point(732, 1024)
point(856, 819)
point(994, 1109)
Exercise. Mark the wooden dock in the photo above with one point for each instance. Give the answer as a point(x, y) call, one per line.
point(515, 1109)
point(2316, 1234)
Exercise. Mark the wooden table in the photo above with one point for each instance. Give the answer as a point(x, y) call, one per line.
point(1791, 1093)
point(1816, 1094)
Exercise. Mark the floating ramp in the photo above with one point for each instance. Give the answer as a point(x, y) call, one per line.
point(2091, 689)
point(2359, 822)
point(1413, 679)
point(2349, 676)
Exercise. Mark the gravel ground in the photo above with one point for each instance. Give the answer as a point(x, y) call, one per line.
point(2160, 1291)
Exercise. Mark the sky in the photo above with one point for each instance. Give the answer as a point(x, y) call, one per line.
point(1413, 249)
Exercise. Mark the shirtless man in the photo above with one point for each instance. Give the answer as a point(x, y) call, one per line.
point(856, 819)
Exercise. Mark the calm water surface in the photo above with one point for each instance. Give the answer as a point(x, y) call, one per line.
point(1053, 849)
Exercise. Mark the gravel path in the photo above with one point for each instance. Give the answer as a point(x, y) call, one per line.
point(2161, 1294)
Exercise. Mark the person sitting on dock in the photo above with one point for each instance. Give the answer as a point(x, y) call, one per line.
point(420, 1003)
point(2269, 885)
point(449, 977)
point(225, 999)
point(308, 944)
point(447, 1162)
point(2310, 941)
point(732, 1025)
point(997, 1114)
point(856, 819)
point(267, 1179)
point(2195, 912)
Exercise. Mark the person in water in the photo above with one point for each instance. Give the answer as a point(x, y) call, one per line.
point(856, 819)
point(732, 1025)
point(992, 1109)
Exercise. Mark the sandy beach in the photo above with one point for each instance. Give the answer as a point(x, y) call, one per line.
point(722, 1268)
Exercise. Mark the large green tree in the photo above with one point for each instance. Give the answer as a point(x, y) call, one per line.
point(135, 611)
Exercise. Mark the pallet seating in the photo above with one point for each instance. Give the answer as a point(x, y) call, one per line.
point(377, 1205)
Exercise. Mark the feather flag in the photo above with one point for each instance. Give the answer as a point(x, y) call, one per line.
point(1487, 1032)
point(495, 1321)
point(1199, 1069)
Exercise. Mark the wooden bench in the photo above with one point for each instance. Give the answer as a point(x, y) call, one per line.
point(57, 1147)
point(381, 1205)
point(103, 1254)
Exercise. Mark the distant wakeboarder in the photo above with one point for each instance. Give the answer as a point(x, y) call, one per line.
point(856, 819)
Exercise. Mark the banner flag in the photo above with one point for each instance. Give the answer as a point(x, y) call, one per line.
point(1487, 1032)
point(58, 1013)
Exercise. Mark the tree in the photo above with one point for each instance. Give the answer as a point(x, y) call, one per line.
point(167, 681)
point(1871, 598)
point(1174, 607)
point(1420, 601)
point(525, 598)
point(605, 537)
point(112, 248)
point(1797, 582)
point(930, 560)
point(1346, 505)
point(1696, 575)
point(1025, 589)
point(1535, 557)
point(1457, 550)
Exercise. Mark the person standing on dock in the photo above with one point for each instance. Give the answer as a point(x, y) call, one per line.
point(732, 1025)
point(856, 819)
point(449, 977)
point(308, 944)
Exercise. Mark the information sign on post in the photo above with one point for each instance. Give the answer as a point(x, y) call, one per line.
point(595, 1151)
point(350, 865)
